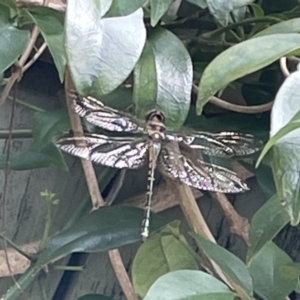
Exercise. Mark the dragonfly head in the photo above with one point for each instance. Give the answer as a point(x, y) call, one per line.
point(155, 124)
point(155, 115)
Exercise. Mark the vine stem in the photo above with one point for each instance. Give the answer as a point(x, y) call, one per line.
point(97, 200)
point(87, 165)
point(283, 66)
point(120, 271)
point(17, 74)
point(237, 108)
point(197, 223)
point(219, 31)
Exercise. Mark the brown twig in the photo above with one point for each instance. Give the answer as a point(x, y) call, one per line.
point(120, 271)
point(97, 200)
point(35, 57)
point(238, 108)
point(87, 165)
point(237, 224)
point(197, 223)
point(17, 74)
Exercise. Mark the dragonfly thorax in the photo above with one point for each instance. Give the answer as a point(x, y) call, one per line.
point(155, 125)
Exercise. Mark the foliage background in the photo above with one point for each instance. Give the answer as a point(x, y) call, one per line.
point(162, 78)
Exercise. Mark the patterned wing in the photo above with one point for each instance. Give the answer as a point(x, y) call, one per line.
point(121, 153)
point(199, 174)
point(221, 144)
point(95, 112)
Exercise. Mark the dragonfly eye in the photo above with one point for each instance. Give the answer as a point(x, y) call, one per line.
point(156, 115)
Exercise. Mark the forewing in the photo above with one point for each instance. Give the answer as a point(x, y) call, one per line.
point(122, 153)
point(95, 112)
point(200, 175)
point(222, 144)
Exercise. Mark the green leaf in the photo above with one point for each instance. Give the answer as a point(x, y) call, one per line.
point(47, 125)
point(221, 9)
point(163, 78)
point(292, 125)
point(38, 156)
point(113, 99)
point(187, 285)
point(284, 120)
point(264, 177)
point(289, 26)
point(158, 9)
point(286, 170)
point(233, 268)
point(243, 59)
point(94, 297)
point(51, 24)
point(269, 280)
point(265, 225)
point(9, 3)
point(124, 7)
point(13, 40)
point(257, 10)
point(101, 230)
point(114, 45)
point(163, 252)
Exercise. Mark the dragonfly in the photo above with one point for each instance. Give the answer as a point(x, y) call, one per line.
point(177, 155)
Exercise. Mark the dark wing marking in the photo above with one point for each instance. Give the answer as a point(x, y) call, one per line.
point(221, 144)
point(122, 153)
point(95, 112)
point(200, 175)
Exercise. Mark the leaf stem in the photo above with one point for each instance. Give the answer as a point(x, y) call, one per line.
point(219, 31)
point(30, 257)
point(47, 223)
point(33, 107)
point(254, 109)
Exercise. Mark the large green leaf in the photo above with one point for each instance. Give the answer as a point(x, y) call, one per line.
point(163, 78)
point(13, 40)
point(265, 225)
point(270, 280)
point(285, 117)
point(289, 26)
point(221, 9)
point(124, 7)
point(38, 156)
point(47, 125)
point(243, 59)
point(101, 230)
point(101, 52)
point(285, 139)
point(158, 9)
point(188, 285)
point(51, 24)
point(163, 252)
point(233, 268)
